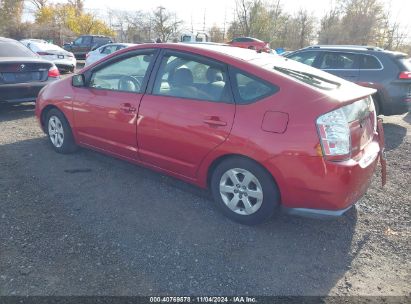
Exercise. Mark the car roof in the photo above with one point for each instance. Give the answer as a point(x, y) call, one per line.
point(4, 39)
point(353, 48)
point(211, 49)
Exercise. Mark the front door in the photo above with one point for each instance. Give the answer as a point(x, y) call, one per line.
point(105, 111)
point(188, 112)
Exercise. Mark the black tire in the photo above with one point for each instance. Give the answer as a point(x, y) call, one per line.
point(271, 194)
point(68, 144)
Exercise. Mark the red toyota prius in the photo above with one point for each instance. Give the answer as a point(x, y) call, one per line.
point(261, 131)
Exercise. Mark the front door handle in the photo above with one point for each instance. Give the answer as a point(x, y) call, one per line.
point(215, 121)
point(127, 108)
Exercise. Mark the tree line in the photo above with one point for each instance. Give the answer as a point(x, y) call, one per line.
point(364, 22)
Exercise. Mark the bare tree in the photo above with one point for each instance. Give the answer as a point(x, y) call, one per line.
point(165, 24)
point(39, 4)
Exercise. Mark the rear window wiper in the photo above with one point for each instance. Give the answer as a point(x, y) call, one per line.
point(312, 79)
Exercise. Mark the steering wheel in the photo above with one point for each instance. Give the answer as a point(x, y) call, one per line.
point(129, 84)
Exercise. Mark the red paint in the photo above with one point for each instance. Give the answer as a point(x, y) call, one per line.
point(184, 137)
point(256, 44)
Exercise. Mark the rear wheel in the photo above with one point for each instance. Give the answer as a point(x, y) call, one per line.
point(59, 132)
point(244, 191)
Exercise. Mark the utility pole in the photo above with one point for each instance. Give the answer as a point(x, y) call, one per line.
point(225, 18)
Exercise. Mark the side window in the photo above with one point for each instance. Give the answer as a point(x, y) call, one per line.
point(124, 75)
point(339, 61)
point(250, 89)
point(78, 41)
point(186, 77)
point(86, 40)
point(307, 58)
point(369, 63)
point(109, 49)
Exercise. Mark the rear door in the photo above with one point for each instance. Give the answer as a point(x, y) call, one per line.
point(187, 112)
point(341, 64)
point(105, 111)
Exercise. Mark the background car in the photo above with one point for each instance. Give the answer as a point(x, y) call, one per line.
point(250, 43)
point(84, 44)
point(22, 72)
point(258, 129)
point(64, 60)
point(388, 72)
point(103, 51)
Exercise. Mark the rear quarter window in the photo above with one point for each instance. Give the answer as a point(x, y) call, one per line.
point(369, 63)
point(249, 89)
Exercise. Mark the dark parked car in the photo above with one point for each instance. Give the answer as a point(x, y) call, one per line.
point(388, 72)
point(259, 130)
point(86, 43)
point(22, 72)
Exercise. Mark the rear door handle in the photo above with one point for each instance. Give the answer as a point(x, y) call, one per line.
point(215, 122)
point(128, 108)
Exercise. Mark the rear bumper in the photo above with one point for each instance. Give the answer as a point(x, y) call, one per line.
point(22, 92)
point(310, 184)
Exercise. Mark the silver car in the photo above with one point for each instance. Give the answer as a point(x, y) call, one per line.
point(65, 61)
point(104, 51)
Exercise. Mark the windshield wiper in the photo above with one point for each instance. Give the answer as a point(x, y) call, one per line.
point(313, 79)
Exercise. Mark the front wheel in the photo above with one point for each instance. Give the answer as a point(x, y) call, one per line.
point(59, 132)
point(244, 191)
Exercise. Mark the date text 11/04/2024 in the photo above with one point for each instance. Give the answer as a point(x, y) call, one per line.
point(203, 299)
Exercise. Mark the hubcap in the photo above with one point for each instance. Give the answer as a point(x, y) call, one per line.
point(241, 191)
point(56, 132)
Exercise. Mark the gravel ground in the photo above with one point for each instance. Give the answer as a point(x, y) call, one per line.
point(87, 224)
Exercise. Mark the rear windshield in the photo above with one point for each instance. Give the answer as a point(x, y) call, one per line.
point(15, 49)
point(299, 71)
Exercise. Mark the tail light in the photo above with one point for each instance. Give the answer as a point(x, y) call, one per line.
point(54, 72)
point(71, 55)
point(405, 75)
point(334, 135)
point(88, 54)
point(44, 53)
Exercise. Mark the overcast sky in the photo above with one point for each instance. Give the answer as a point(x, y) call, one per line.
point(215, 11)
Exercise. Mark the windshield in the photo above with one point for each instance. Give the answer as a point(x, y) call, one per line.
point(15, 49)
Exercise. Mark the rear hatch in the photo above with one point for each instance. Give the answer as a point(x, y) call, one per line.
point(23, 70)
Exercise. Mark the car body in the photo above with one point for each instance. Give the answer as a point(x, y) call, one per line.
point(85, 43)
point(22, 73)
point(64, 60)
point(104, 50)
point(388, 72)
point(250, 43)
point(250, 126)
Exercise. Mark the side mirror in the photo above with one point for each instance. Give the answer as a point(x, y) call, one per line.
point(78, 81)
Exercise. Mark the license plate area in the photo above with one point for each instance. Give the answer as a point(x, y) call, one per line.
point(22, 77)
point(60, 56)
